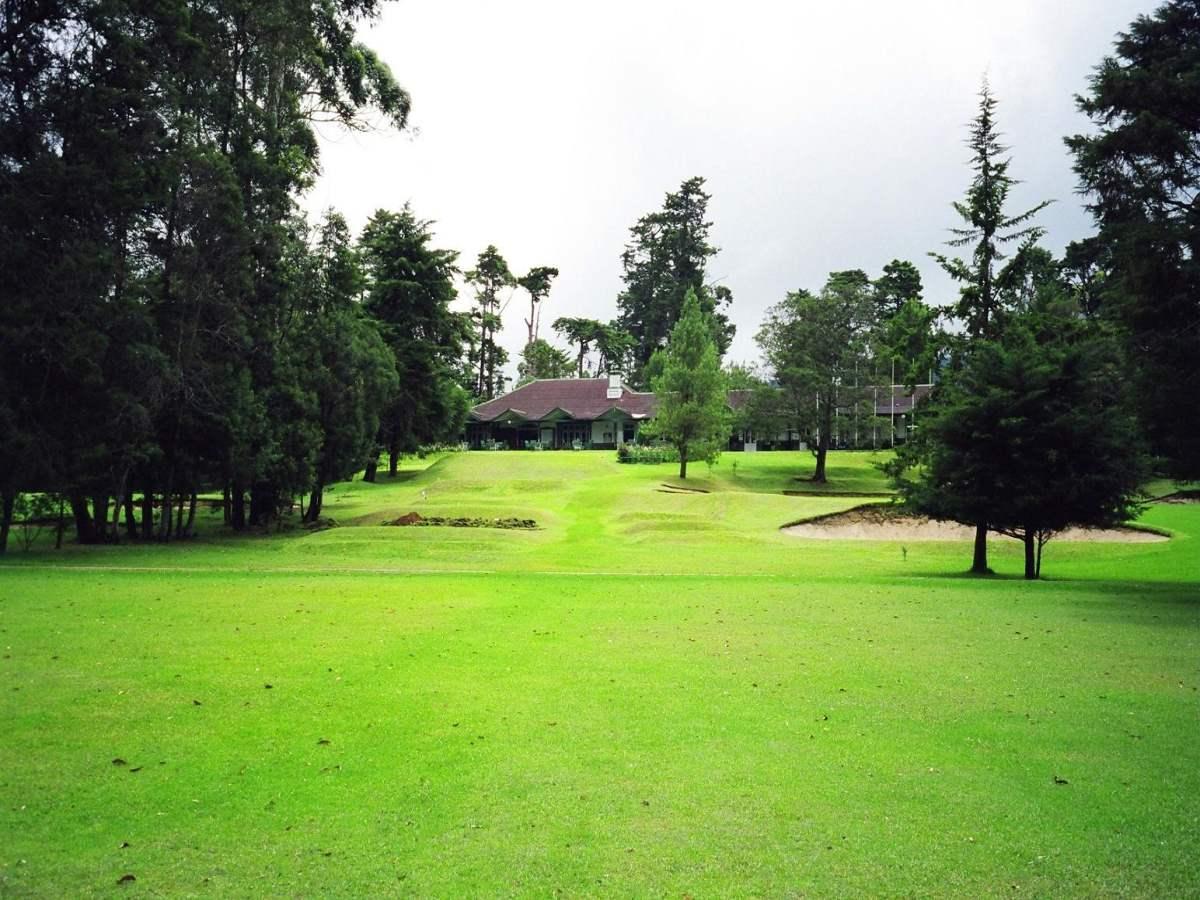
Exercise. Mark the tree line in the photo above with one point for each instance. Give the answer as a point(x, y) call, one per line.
point(172, 325)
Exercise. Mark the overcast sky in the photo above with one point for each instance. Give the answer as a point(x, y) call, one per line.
point(831, 134)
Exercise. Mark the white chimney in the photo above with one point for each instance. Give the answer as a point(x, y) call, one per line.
point(614, 387)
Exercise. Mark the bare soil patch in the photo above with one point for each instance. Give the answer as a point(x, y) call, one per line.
point(879, 522)
point(415, 519)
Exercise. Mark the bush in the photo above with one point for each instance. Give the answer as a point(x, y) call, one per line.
point(632, 453)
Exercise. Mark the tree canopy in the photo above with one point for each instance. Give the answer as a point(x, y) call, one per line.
point(1140, 169)
point(667, 255)
point(1033, 434)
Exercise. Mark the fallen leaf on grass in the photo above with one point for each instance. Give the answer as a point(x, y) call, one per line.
point(1058, 780)
point(119, 762)
point(126, 879)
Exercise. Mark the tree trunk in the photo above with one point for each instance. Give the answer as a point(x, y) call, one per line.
point(191, 516)
point(393, 459)
point(84, 532)
point(148, 511)
point(225, 516)
point(826, 425)
point(62, 523)
point(164, 525)
point(315, 499)
point(822, 454)
point(371, 469)
point(1041, 544)
point(8, 500)
point(979, 564)
point(179, 516)
point(264, 503)
point(166, 518)
point(1030, 542)
point(237, 506)
point(130, 520)
point(100, 517)
point(683, 461)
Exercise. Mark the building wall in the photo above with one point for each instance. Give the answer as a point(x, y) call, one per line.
point(605, 433)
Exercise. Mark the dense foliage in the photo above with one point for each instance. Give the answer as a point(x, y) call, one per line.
point(666, 257)
point(1140, 170)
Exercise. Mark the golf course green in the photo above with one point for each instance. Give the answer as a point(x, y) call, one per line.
point(655, 692)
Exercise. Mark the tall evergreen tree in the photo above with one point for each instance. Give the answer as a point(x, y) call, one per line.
point(667, 255)
point(490, 276)
point(1140, 169)
point(410, 287)
point(354, 372)
point(987, 229)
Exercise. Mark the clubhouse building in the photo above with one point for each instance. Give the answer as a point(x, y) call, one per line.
point(602, 413)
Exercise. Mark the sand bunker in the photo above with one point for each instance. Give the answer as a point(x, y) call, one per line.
point(881, 523)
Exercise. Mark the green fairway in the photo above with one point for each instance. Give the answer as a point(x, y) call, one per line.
point(655, 693)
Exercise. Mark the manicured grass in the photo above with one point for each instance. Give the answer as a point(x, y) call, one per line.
point(654, 694)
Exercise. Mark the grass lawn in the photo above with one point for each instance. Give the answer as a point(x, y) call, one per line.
point(655, 693)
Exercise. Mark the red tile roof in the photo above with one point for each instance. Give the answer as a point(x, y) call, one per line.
point(580, 398)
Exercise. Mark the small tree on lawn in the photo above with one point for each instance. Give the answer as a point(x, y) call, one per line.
point(816, 346)
point(692, 413)
point(1033, 435)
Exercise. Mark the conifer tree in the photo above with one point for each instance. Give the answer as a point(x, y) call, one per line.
point(692, 414)
point(987, 229)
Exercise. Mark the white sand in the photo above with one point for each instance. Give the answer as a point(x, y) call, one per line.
point(855, 527)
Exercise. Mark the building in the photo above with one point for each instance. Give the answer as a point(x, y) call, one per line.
point(561, 413)
point(602, 413)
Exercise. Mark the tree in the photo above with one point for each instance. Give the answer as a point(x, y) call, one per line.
point(987, 227)
point(489, 277)
point(666, 256)
point(1034, 434)
point(541, 359)
point(1140, 169)
point(986, 230)
point(355, 372)
point(583, 332)
point(536, 283)
point(910, 338)
point(410, 287)
point(614, 346)
point(899, 283)
point(816, 345)
point(691, 414)
point(150, 159)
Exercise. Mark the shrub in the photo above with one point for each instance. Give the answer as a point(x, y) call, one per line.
point(632, 453)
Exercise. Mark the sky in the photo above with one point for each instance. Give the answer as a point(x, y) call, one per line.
point(831, 135)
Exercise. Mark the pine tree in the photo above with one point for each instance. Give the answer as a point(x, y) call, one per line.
point(986, 231)
point(692, 414)
point(1140, 169)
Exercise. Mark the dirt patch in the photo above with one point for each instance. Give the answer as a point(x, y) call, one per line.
point(679, 489)
point(416, 519)
point(880, 522)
